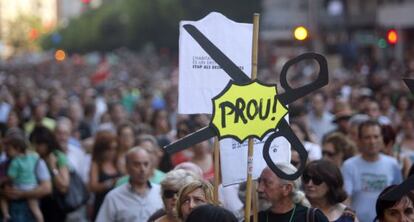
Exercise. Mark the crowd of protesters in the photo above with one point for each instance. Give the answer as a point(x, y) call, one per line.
point(107, 118)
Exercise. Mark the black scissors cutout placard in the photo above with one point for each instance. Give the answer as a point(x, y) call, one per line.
point(282, 128)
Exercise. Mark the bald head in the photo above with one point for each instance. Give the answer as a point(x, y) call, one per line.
point(138, 164)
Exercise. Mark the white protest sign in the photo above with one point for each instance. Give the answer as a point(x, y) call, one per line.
point(233, 157)
point(200, 77)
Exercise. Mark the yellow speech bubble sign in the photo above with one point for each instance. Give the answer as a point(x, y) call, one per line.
point(243, 111)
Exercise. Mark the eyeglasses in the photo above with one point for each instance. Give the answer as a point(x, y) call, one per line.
point(315, 179)
point(169, 193)
point(328, 153)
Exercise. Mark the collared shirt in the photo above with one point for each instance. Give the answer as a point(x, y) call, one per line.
point(123, 204)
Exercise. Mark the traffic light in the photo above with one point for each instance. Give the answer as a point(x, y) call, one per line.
point(300, 33)
point(392, 37)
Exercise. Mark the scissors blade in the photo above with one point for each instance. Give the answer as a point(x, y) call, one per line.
point(190, 140)
point(410, 84)
point(217, 55)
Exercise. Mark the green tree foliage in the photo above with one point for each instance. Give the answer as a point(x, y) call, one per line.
point(134, 23)
point(21, 33)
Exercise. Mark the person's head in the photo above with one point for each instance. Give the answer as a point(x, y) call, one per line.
point(336, 147)
point(39, 111)
point(275, 189)
point(354, 123)
point(402, 103)
point(323, 180)
point(138, 165)
point(184, 127)
point(15, 144)
point(13, 119)
point(75, 111)
point(407, 124)
point(159, 121)
point(388, 136)
point(171, 184)
point(63, 131)
point(209, 213)
point(104, 147)
point(372, 109)
point(190, 166)
point(126, 136)
point(318, 102)
point(342, 119)
point(117, 113)
point(370, 137)
point(192, 195)
point(401, 210)
point(44, 141)
point(150, 143)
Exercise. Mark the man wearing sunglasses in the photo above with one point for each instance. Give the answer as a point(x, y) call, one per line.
point(287, 201)
point(367, 174)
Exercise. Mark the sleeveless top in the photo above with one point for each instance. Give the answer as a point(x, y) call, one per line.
point(99, 197)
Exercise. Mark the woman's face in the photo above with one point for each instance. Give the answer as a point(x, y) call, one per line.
point(401, 212)
point(126, 138)
point(314, 186)
point(191, 201)
point(110, 153)
point(329, 153)
point(169, 196)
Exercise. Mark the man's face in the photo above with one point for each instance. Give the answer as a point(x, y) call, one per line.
point(270, 186)
point(371, 140)
point(318, 103)
point(62, 134)
point(139, 166)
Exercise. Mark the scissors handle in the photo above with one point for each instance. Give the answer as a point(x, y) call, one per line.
point(286, 132)
point(291, 94)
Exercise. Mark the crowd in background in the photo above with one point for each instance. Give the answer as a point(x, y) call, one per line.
point(107, 118)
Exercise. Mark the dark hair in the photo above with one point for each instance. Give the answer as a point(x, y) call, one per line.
point(102, 143)
point(124, 125)
point(368, 123)
point(209, 213)
point(331, 175)
point(411, 170)
point(42, 135)
point(16, 141)
point(341, 143)
point(381, 205)
point(155, 117)
point(388, 134)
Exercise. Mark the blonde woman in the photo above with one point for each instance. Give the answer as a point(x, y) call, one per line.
point(170, 186)
point(192, 195)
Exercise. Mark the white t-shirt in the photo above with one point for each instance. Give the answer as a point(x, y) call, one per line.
point(365, 180)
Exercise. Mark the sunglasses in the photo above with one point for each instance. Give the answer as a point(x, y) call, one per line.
point(169, 193)
point(315, 179)
point(328, 153)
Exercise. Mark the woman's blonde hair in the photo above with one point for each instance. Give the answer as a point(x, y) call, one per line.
point(205, 186)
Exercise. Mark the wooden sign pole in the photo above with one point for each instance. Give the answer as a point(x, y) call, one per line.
point(216, 168)
point(251, 140)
